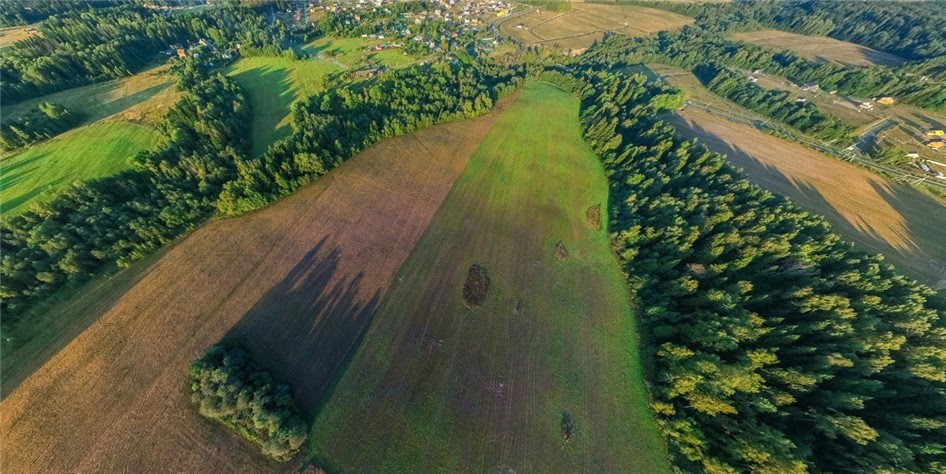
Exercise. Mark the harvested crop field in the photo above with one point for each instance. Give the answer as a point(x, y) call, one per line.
point(819, 48)
point(296, 283)
point(579, 27)
point(11, 35)
point(880, 215)
point(544, 375)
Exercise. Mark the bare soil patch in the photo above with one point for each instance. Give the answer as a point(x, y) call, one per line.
point(296, 284)
point(881, 215)
point(476, 286)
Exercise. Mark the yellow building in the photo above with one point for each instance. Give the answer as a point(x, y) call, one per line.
point(936, 133)
point(886, 100)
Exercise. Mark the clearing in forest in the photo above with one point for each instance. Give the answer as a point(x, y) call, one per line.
point(273, 83)
point(296, 283)
point(438, 386)
point(118, 117)
point(881, 215)
point(92, 151)
point(819, 48)
point(584, 23)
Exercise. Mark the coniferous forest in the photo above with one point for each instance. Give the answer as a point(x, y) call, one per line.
point(771, 343)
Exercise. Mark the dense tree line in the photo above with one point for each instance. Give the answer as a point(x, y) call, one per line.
point(776, 104)
point(44, 121)
point(776, 346)
point(330, 127)
point(201, 167)
point(115, 220)
point(228, 387)
point(24, 12)
point(692, 46)
point(913, 30)
point(107, 43)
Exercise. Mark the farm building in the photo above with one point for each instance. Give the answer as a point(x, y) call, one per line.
point(936, 133)
point(936, 145)
point(886, 101)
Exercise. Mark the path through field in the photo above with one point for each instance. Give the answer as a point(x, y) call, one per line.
point(298, 282)
point(440, 387)
point(881, 215)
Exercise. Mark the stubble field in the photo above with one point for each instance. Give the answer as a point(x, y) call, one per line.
point(819, 48)
point(880, 215)
point(583, 24)
point(297, 283)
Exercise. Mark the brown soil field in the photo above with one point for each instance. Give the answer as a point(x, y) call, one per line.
point(819, 48)
point(878, 214)
point(585, 23)
point(296, 283)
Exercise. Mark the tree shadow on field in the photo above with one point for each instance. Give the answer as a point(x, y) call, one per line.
point(908, 245)
point(307, 328)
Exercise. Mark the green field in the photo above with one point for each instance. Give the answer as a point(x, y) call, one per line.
point(272, 84)
point(93, 151)
point(438, 387)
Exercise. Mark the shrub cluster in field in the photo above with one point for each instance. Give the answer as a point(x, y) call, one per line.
point(46, 120)
point(777, 348)
point(226, 386)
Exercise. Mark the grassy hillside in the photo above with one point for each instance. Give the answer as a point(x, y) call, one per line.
point(437, 386)
point(141, 98)
point(272, 84)
point(93, 151)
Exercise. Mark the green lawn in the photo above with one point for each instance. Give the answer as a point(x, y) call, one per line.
point(438, 387)
point(272, 84)
point(93, 151)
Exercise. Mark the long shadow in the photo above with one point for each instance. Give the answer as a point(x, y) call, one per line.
point(307, 329)
point(24, 198)
point(277, 92)
point(925, 220)
point(914, 207)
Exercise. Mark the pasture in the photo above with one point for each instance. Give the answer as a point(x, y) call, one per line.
point(819, 48)
point(541, 375)
point(878, 214)
point(296, 282)
point(91, 151)
point(584, 23)
point(273, 83)
point(140, 98)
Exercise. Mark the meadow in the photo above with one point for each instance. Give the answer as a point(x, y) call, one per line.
point(544, 375)
point(578, 27)
point(142, 98)
point(296, 282)
point(821, 48)
point(92, 151)
point(878, 214)
point(273, 83)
